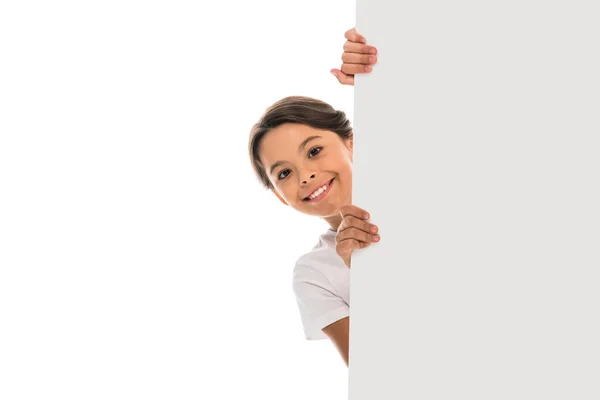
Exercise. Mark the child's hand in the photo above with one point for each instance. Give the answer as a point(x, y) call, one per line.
point(354, 232)
point(357, 58)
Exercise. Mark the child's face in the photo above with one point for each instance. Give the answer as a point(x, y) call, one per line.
point(301, 160)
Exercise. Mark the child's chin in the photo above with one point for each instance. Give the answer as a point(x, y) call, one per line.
point(326, 211)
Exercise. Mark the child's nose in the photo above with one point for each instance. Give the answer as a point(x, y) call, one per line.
point(312, 176)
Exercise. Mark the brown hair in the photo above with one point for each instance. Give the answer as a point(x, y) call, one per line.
point(299, 110)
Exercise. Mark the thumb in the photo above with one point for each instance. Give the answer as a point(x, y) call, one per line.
point(342, 77)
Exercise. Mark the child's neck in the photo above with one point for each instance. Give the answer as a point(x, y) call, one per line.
point(334, 221)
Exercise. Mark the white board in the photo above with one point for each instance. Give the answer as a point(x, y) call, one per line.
point(477, 152)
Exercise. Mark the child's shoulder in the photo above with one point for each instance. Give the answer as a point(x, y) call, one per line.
point(320, 259)
point(321, 250)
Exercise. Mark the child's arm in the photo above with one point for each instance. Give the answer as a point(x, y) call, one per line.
point(357, 58)
point(339, 334)
point(354, 233)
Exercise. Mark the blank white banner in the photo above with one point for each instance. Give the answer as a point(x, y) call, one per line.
point(477, 152)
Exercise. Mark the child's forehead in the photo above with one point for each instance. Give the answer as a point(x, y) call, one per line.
point(287, 138)
point(287, 135)
point(293, 132)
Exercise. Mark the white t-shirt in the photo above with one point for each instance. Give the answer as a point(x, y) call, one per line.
point(322, 287)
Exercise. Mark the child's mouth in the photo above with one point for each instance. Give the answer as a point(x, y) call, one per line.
point(321, 195)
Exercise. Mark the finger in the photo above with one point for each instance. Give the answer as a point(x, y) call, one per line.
point(351, 209)
point(346, 248)
point(353, 69)
point(351, 221)
point(343, 78)
point(350, 47)
point(364, 245)
point(355, 58)
point(355, 234)
point(353, 36)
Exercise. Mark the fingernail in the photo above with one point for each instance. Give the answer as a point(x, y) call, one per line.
point(367, 216)
point(376, 238)
point(333, 73)
point(373, 51)
point(374, 229)
point(372, 59)
point(368, 68)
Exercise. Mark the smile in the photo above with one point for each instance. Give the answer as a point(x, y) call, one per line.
point(320, 193)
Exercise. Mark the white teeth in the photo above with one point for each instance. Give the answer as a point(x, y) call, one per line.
point(318, 192)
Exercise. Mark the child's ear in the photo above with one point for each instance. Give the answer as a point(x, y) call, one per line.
point(279, 197)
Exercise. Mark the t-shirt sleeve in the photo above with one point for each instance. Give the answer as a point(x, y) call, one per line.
point(318, 304)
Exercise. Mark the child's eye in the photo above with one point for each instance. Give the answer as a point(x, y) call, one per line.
point(283, 174)
point(314, 151)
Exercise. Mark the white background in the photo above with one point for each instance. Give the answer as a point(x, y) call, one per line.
point(139, 258)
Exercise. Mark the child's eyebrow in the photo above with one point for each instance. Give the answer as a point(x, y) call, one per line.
point(305, 141)
point(300, 148)
point(277, 164)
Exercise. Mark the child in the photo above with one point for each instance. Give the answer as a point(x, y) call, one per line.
point(301, 149)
